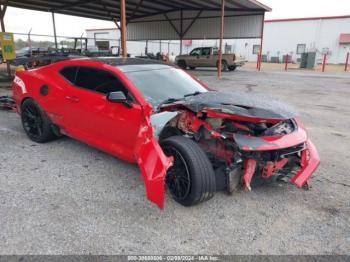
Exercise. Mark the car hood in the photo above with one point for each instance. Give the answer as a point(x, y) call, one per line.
point(242, 104)
point(181, 56)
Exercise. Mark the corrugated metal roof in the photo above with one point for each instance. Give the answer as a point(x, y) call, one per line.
point(164, 19)
point(158, 28)
point(110, 9)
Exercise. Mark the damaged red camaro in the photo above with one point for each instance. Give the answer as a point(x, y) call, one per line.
point(182, 135)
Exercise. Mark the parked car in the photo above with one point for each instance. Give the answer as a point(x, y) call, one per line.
point(34, 51)
point(209, 57)
point(180, 133)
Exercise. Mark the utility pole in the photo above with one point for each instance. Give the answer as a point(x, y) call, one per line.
point(54, 29)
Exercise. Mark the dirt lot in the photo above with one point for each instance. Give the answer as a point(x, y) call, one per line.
point(68, 198)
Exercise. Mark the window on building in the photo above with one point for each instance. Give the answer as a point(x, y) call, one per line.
point(256, 49)
point(301, 48)
point(102, 40)
point(102, 45)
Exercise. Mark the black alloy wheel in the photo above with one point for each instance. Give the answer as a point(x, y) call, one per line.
point(178, 178)
point(36, 124)
point(191, 179)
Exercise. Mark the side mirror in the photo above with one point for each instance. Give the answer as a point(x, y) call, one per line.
point(117, 97)
point(120, 98)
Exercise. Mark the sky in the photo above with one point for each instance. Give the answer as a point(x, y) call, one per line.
point(21, 21)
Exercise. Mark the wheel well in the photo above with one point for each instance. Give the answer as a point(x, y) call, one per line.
point(23, 100)
point(169, 131)
point(223, 60)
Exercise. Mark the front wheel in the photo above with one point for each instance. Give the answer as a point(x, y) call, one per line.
point(182, 64)
point(191, 180)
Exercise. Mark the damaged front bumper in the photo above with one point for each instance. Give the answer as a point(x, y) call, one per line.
point(296, 144)
point(310, 161)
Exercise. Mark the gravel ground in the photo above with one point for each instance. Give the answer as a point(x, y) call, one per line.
point(65, 197)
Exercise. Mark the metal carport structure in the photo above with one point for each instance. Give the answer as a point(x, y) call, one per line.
point(162, 19)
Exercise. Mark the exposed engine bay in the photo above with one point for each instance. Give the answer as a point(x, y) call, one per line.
point(241, 144)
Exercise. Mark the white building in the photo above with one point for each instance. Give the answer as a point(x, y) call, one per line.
point(329, 35)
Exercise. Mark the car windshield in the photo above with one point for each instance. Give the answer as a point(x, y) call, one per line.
point(161, 85)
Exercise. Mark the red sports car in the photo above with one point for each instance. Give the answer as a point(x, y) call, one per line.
point(184, 136)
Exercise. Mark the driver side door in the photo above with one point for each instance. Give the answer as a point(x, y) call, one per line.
point(194, 57)
point(91, 118)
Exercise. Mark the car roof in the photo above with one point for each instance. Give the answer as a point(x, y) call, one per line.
point(132, 64)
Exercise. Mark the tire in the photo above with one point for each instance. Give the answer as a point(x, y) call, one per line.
point(192, 168)
point(232, 68)
point(192, 67)
point(182, 64)
point(36, 124)
point(224, 66)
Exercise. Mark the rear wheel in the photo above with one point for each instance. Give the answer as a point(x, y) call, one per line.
point(192, 67)
point(191, 180)
point(182, 64)
point(232, 68)
point(36, 124)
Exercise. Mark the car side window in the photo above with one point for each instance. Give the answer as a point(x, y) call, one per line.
point(99, 81)
point(70, 73)
point(206, 51)
point(196, 51)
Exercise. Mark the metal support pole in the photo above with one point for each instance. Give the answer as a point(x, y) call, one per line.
point(347, 61)
point(181, 46)
point(2, 16)
point(324, 62)
point(3, 11)
point(286, 63)
point(123, 28)
point(221, 37)
point(81, 43)
point(54, 29)
point(29, 39)
point(181, 29)
point(261, 42)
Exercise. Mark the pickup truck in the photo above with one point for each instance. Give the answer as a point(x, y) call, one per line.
point(208, 57)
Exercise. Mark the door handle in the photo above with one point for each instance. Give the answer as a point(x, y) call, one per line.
point(72, 98)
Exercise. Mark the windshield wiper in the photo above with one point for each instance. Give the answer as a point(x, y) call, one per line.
point(172, 100)
point(193, 94)
point(168, 101)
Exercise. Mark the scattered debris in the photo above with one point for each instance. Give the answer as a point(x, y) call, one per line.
point(7, 103)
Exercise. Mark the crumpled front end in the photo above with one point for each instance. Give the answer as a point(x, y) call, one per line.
point(256, 138)
point(247, 147)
